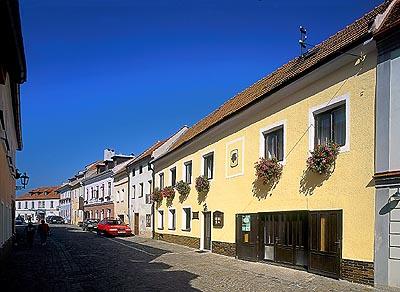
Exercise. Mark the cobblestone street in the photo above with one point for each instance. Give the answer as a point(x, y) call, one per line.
point(74, 260)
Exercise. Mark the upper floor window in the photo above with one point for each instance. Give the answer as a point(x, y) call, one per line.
point(51, 204)
point(208, 160)
point(141, 169)
point(33, 205)
point(26, 205)
point(330, 126)
point(133, 171)
point(173, 176)
point(141, 190)
point(109, 188)
point(161, 176)
point(188, 172)
point(102, 190)
point(273, 144)
point(19, 205)
point(133, 192)
point(122, 195)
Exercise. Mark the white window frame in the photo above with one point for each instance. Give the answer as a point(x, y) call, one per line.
point(184, 177)
point(170, 175)
point(161, 174)
point(141, 185)
point(133, 192)
point(171, 219)
point(268, 129)
point(184, 227)
point(205, 153)
point(160, 219)
point(344, 99)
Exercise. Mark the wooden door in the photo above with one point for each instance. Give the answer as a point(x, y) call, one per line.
point(325, 238)
point(207, 230)
point(284, 247)
point(247, 237)
point(136, 224)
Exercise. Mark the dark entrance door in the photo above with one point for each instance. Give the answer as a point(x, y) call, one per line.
point(136, 224)
point(207, 230)
point(247, 245)
point(291, 237)
point(325, 234)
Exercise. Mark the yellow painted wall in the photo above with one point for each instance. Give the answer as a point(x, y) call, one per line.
point(121, 205)
point(346, 189)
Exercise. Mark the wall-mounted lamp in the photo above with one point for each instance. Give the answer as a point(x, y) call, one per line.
point(395, 196)
point(24, 179)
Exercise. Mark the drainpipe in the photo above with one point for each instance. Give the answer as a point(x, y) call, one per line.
point(129, 195)
point(153, 230)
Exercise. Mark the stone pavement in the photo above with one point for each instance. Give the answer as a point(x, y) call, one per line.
point(74, 260)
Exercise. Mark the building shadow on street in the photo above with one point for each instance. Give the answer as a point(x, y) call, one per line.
point(73, 260)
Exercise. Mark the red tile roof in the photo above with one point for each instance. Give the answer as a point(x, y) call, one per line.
point(42, 193)
point(148, 151)
point(352, 35)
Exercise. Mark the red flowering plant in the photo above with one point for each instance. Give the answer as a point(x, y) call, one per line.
point(323, 158)
point(168, 192)
point(183, 188)
point(156, 196)
point(268, 170)
point(202, 184)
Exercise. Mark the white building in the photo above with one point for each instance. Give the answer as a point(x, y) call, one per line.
point(98, 186)
point(65, 201)
point(38, 204)
point(141, 185)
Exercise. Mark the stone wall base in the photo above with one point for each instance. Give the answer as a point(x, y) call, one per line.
point(358, 272)
point(5, 250)
point(224, 248)
point(193, 242)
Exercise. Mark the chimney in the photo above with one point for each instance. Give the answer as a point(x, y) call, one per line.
point(108, 153)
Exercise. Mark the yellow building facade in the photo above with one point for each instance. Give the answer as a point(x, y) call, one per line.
point(242, 217)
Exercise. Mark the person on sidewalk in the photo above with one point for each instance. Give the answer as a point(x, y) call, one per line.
point(30, 232)
point(43, 231)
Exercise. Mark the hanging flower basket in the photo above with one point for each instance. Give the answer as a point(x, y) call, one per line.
point(182, 187)
point(268, 170)
point(168, 192)
point(156, 196)
point(202, 184)
point(323, 158)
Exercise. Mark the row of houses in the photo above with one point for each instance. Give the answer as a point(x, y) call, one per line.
point(302, 168)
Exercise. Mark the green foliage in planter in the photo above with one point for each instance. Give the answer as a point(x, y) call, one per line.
point(156, 196)
point(202, 184)
point(323, 158)
point(183, 188)
point(268, 171)
point(168, 192)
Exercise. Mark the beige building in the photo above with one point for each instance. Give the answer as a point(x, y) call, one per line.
point(12, 74)
point(120, 192)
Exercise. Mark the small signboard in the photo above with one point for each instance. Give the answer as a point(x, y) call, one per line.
point(195, 215)
point(245, 222)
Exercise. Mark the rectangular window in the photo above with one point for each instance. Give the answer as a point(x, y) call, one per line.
point(160, 219)
point(173, 176)
point(133, 171)
point(141, 190)
point(330, 126)
point(122, 195)
point(141, 169)
point(51, 204)
point(19, 205)
point(273, 144)
point(171, 219)
point(33, 205)
point(109, 188)
point(208, 165)
point(102, 191)
point(133, 192)
point(97, 192)
point(188, 172)
point(148, 195)
point(161, 180)
point(186, 218)
point(26, 205)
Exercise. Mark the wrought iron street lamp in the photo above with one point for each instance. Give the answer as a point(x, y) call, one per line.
point(24, 179)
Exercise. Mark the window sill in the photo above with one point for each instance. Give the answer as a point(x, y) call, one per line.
point(172, 229)
point(160, 228)
point(187, 229)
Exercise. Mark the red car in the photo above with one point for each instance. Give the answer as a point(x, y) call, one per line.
point(113, 227)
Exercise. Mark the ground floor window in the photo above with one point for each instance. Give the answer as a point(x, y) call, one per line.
point(171, 219)
point(148, 220)
point(186, 218)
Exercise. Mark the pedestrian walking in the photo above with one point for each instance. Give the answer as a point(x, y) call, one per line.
point(30, 232)
point(43, 231)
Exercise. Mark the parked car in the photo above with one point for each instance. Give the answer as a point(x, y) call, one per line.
point(48, 218)
point(90, 224)
point(19, 221)
point(80, 223)
point(56, 220)
point(113, 227)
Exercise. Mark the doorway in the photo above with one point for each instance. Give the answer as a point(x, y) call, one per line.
point(325, 243)
point(207, 230)
point(136, 224)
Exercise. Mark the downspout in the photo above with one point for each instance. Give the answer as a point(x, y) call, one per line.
point(153, 229)
point(129, 195)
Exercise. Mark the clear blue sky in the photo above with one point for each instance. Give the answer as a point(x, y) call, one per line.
point(125, 73)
